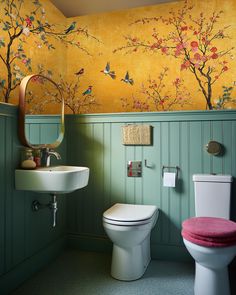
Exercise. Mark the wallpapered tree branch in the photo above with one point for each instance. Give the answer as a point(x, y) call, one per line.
point(77, 103)
point(194, 41)
point(223, 101)
point(17, 27)
point(74, 98)
point(157, 95)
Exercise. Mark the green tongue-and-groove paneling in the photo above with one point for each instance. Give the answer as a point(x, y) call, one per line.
point(27, 240)
point(179, 139)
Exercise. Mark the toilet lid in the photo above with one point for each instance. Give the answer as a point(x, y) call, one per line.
point(129, 212)
point(210, 231)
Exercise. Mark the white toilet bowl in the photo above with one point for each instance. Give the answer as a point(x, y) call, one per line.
point(212, 243)
point(211, 268)
point(129, 227)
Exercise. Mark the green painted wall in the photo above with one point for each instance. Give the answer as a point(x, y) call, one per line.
point(27, 239)
point(179, 139)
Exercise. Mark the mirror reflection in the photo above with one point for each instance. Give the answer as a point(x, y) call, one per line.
point(41, 112)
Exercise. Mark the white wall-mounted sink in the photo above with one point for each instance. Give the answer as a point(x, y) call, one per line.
point(52, 180)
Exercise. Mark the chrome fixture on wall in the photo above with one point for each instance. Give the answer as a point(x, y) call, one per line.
point(214, 148)
point(134, 169)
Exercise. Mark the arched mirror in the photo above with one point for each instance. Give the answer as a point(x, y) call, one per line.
point(41, 112)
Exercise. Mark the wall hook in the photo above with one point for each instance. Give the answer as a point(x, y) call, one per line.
point(146, 165)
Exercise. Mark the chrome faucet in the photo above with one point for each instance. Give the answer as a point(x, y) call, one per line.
point(46, 156)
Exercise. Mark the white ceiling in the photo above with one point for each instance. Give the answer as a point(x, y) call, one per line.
point(72, 8)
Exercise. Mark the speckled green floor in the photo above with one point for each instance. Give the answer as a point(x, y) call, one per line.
point(87, 273)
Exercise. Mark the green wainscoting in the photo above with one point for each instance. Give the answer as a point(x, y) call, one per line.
point(27, 239)
point(41, 129)
point(179, 139)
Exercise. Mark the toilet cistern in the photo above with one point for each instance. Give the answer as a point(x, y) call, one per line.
point(210, 237)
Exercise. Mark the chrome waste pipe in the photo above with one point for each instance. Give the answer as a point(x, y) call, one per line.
point(36, 206)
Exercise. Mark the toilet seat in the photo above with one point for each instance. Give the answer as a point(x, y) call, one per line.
point(210, 231)
point(129, 214)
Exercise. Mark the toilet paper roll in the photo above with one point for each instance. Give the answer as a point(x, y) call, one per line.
point(169, 179)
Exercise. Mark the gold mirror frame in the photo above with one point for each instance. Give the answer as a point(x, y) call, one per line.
point(22, 94)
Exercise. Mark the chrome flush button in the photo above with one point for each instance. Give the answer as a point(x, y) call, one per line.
point(214, 148)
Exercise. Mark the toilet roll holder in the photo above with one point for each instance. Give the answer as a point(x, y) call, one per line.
point(170, 167)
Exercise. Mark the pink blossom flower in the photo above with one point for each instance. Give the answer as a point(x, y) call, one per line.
point(162, 102)
point(28, 21)
point(185, 28)
point(194, 49)
point(185, 65)
point(225, 68)
point(24, 61)
point(213, 49)
point(164, 50)
point(197, 56)
point(214, 56)
point(194, 44)
point(177, 53)
point(181, 46)
point(177, 81)
point(154, 45)
point(35, 79)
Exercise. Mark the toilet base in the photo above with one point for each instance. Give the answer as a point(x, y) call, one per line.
point(130, 264)
point(211, 281)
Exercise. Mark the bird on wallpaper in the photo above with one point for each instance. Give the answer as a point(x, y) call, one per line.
point(80, 72)
point(88, 91)
point(127, 79)
point(107, 71)
point(70, 28)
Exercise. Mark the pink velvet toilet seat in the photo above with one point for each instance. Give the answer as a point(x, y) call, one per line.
point(210, 231)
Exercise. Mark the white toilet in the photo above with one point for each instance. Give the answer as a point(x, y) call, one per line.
point(210, 237)
point(129, 228)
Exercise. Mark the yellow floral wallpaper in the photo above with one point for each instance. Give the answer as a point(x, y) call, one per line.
point(25, 45)
point(174, 56)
